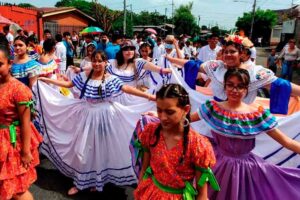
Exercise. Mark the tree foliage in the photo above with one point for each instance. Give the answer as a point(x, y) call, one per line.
point(264, 21)
point(105, 16)
point(184, 20)
point(26, 5)
point(82, 5)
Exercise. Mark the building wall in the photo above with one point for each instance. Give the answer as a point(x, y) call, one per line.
point(65, 22)
point(26, 18)
point(67, 19)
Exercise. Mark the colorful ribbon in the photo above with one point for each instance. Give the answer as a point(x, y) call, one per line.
point(137, 144)
point(208, 176)
point(28, 104)
point(188, 192)
point(12, 132)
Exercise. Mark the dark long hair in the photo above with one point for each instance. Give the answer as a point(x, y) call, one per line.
point(22, 38)
point(178, 92)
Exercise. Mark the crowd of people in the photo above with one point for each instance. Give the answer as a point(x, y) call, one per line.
point(180, 119)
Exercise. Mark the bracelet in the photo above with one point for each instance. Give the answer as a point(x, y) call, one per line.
point(161, 71)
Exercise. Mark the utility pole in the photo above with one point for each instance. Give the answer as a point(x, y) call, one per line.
point(166, 9)
point(252, 21)
point(173, 17)
point(124, 22)
point(199, 20)
point(131, 12)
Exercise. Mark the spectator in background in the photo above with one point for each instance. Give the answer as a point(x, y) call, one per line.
point(70, 48)
point(47, 35)
point(159, 49)
point(104, 42)
point(20, 32)
point(209, 52)
point(88, 38)
point(271, 62)
point(61, 54)
point(137, 43)
point(34, 49)
point(243, 34)
point(9, 36)
point(113, 49)
point(75, 42)
point(291, 55)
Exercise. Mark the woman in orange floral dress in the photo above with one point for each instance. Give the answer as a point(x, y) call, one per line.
point(174, 154)
point(19, 140)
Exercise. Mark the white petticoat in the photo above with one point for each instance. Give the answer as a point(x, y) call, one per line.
point(87, 142)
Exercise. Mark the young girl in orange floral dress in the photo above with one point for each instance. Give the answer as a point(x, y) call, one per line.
point(19, 140)
point(174, 154)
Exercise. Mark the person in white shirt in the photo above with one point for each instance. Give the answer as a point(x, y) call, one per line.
point(61, 54)
point(8, 35)
point(209, 52)
point(159, 49)
point(47, 35)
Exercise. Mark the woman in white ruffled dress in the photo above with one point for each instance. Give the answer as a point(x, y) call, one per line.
point(132, 71)
point(87, 139)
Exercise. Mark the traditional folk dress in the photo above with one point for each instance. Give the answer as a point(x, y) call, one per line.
point(48, 69)
point(240, 173)
point(26, 70)
point(14, 178)
point(280, 93)
point(87, 139)
point(169, 176)
point(132, 77)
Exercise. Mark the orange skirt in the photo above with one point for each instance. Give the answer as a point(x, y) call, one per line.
point(14, 178)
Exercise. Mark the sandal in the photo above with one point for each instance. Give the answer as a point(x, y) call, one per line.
point(73, 191)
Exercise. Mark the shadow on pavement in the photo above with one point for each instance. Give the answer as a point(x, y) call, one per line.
point(52, 185)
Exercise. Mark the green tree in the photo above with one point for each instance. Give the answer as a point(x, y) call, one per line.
point(26, 5)
point(184, 20)
point(82, 5)
point(264, 21)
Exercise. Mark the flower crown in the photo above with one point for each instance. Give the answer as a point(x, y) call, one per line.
point(244, 41)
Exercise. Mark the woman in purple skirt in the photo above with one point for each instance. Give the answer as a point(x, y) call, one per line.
point(241, 174)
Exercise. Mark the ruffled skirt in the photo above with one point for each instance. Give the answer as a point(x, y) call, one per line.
point(87, 142)
point(14, 178)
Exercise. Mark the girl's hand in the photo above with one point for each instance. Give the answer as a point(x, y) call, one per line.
point(26, 159)
point(166, 71)
point(175, 42)
point(151, 113)
point(152, 97)
point(44, 79)
point(63, 77)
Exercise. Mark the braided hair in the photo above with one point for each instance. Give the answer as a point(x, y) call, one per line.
point(178, 92)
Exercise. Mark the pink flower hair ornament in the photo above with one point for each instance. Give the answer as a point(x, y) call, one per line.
point(244, 41)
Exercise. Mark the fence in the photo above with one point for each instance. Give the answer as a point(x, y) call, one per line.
point(55, 28)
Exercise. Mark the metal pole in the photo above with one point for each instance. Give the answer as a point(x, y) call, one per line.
point(252, 22)
point(166, 9)
point(131, 12)
point(173, 17)
point(124, 22)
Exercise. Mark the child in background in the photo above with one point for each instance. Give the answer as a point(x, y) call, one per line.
point(271, 62)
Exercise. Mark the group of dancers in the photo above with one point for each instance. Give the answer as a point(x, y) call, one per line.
point(88, 132)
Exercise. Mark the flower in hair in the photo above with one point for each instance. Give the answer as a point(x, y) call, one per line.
point(244, 41)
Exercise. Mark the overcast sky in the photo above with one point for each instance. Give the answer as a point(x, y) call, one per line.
point(223, 13)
